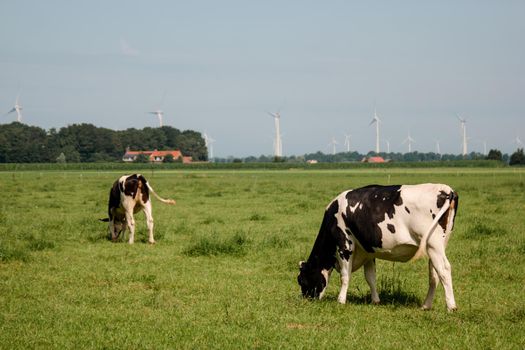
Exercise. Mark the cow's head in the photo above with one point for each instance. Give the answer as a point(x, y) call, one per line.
point(311, 280)
point(115, 227)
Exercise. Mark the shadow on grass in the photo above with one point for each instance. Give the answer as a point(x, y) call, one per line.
point(394, 298)
point(388, 298)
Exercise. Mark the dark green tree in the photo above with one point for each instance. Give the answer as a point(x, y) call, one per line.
point(141, 158)
point(495, 154)
point(168, 159)
point(517, 158)
point(21, 143)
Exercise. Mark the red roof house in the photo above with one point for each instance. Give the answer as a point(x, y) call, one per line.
point(155, 156)
point(374, 160)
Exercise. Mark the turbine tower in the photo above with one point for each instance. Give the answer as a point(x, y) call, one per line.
point(387, 145)
point(463, 123)
point(518, 142)
point(438, 149)
point(17, 108)
point(333, 143)
point(347, 142)
point(376, 120)
point(277, 145)
point(409, 140)
point(208, 141)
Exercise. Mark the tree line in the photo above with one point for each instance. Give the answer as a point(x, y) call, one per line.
point(82, 143)
point(517, 158)
point(21, 143)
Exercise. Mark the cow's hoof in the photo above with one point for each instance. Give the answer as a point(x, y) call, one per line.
point(131, 242)
point(426, 308)
point(152, 242)
point(452, 309)
point(376, 302)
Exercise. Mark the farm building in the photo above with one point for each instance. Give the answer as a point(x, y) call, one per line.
point(374, 160)
point(156, 156)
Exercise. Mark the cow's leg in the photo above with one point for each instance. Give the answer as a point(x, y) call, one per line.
point(149, 221)
point(433, 280)
point(344, 258)
point(326, 274)
point(444, 271)
point(130, 220)
point(370, 276)
point(113, 231)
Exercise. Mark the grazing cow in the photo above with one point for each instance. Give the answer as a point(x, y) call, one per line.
point(396, 223)
point(129, 195)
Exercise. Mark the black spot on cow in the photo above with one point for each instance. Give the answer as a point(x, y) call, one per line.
point(433, 216)
point(441, 198)
point(408, 211)
point(391, 228)
point(344, 245)
point(144, 189)
point(454, 199)
point(375, 202)
point(114, 198)
point(135, 184)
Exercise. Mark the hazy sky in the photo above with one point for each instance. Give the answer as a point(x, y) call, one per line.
point(221, 65)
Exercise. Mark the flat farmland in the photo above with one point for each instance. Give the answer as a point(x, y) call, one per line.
point(223, 271)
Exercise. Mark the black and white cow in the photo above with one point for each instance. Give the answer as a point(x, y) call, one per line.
point(128, 196)
point(396, 223)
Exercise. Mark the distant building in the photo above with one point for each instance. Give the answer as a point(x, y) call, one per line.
point(311, 161)
point(155, 156)
point(373, 160)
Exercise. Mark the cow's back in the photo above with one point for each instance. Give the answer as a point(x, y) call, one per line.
point(389, 221)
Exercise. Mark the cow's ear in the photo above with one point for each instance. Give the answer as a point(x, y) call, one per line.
point(104, 220)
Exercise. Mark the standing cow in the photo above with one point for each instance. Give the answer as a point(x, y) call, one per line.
point(128, 196)
point(396, 223)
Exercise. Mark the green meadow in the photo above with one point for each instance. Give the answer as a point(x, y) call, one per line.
point(223, 272)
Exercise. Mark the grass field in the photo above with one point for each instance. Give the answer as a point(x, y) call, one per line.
point(223, 271)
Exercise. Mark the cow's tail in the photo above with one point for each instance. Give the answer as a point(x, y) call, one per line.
point(167, 201)
point(450, 202)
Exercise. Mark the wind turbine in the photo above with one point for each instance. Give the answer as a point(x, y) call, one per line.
point(277, 145)
point(409, 141)
point(347, 142)
point(518, 141)
point(159, 113)
point(376, 120)
point(333, 143)
point(438, 149)
point(463, 123)
point(387, 145)
point(208, 141)
point(17, 108)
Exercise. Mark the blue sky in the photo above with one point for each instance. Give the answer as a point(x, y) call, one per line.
point(221, 65)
